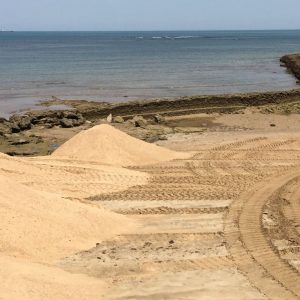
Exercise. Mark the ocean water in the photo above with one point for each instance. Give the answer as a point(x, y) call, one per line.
point(117, 66)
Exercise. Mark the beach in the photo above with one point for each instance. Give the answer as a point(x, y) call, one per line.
point(186, 197)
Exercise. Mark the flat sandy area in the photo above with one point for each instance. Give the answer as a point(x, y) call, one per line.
point(211, 215)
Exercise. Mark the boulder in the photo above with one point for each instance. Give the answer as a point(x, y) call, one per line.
point(118, 119)
point(66, 123)
point(139, 121)
point(109, 118)
point(25, 123)
point(159, 119)
point(14, 127)
point(71, 115)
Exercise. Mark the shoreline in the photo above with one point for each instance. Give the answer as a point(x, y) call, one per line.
point(176, 105)
point(180, 105)
point(27, 134)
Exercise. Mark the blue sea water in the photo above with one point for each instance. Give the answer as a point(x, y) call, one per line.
point(117, 66)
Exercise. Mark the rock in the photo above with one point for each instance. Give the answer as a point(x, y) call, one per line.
point(25, 123)
point(189, 129)
point(118, 119)
point(71, 115)
point(159, 119)
point(22, 122)
point(109, 118)
point(3, 120)
point(140, 122)
point(14, 128)
point(5, 129)
point(20, 142)
point(273, 125)
point(25, 153)
point(66, 123)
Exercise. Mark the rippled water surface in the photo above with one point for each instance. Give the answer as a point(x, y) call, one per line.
point(117, 66)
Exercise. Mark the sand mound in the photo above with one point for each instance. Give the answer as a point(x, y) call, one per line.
point(45, 227)
point(107, 145)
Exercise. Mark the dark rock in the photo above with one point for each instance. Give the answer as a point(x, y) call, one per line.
point(292, 62)
point(273, 125)
point(78, 122)
point(17, 153)
point(66, 123)
point(25, 123)
point(20, 142)
point(3, 120)
point(71, 115)
point(14, 128)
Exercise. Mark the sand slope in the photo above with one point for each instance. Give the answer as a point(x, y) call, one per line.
point(30, 281)
point(107, 145)
point(69, 178)
point(44, 215)
point(44, 227)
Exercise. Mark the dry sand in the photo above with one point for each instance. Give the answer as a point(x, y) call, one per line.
point(41, 221)
point(218, 224)
point(107, 145)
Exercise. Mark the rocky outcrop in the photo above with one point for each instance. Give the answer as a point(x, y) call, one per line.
point(18, 123)
point(186, 105)
point(292, 62)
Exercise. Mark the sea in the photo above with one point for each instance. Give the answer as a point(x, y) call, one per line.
point(122, 66)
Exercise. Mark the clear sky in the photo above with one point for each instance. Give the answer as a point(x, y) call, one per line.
point(149, 14)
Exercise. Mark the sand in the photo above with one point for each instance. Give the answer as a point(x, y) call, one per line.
point(173, 229)
point(69, 178)
point(45, 216)
point(105, 144)
point(25, 280)
point(43, 227)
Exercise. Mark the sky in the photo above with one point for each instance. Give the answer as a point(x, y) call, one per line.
point(149, 14)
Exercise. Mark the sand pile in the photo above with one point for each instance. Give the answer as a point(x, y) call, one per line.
point(44, 227)
point(43, 217)
point(107, 145)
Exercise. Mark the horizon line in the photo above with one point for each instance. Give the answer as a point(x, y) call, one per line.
point(146, 30)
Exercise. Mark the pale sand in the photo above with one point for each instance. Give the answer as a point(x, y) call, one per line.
point(41, 222)
point(107, 145)
point(69, 178)
point(24, 280)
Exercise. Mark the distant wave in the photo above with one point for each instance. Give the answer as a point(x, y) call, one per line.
point(185, 37)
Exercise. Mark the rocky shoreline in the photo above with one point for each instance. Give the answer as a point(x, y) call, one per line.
point(143, 119)
point(292, 62)
point(83, 111)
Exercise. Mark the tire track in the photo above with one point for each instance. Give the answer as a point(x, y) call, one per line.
point(251, 250)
